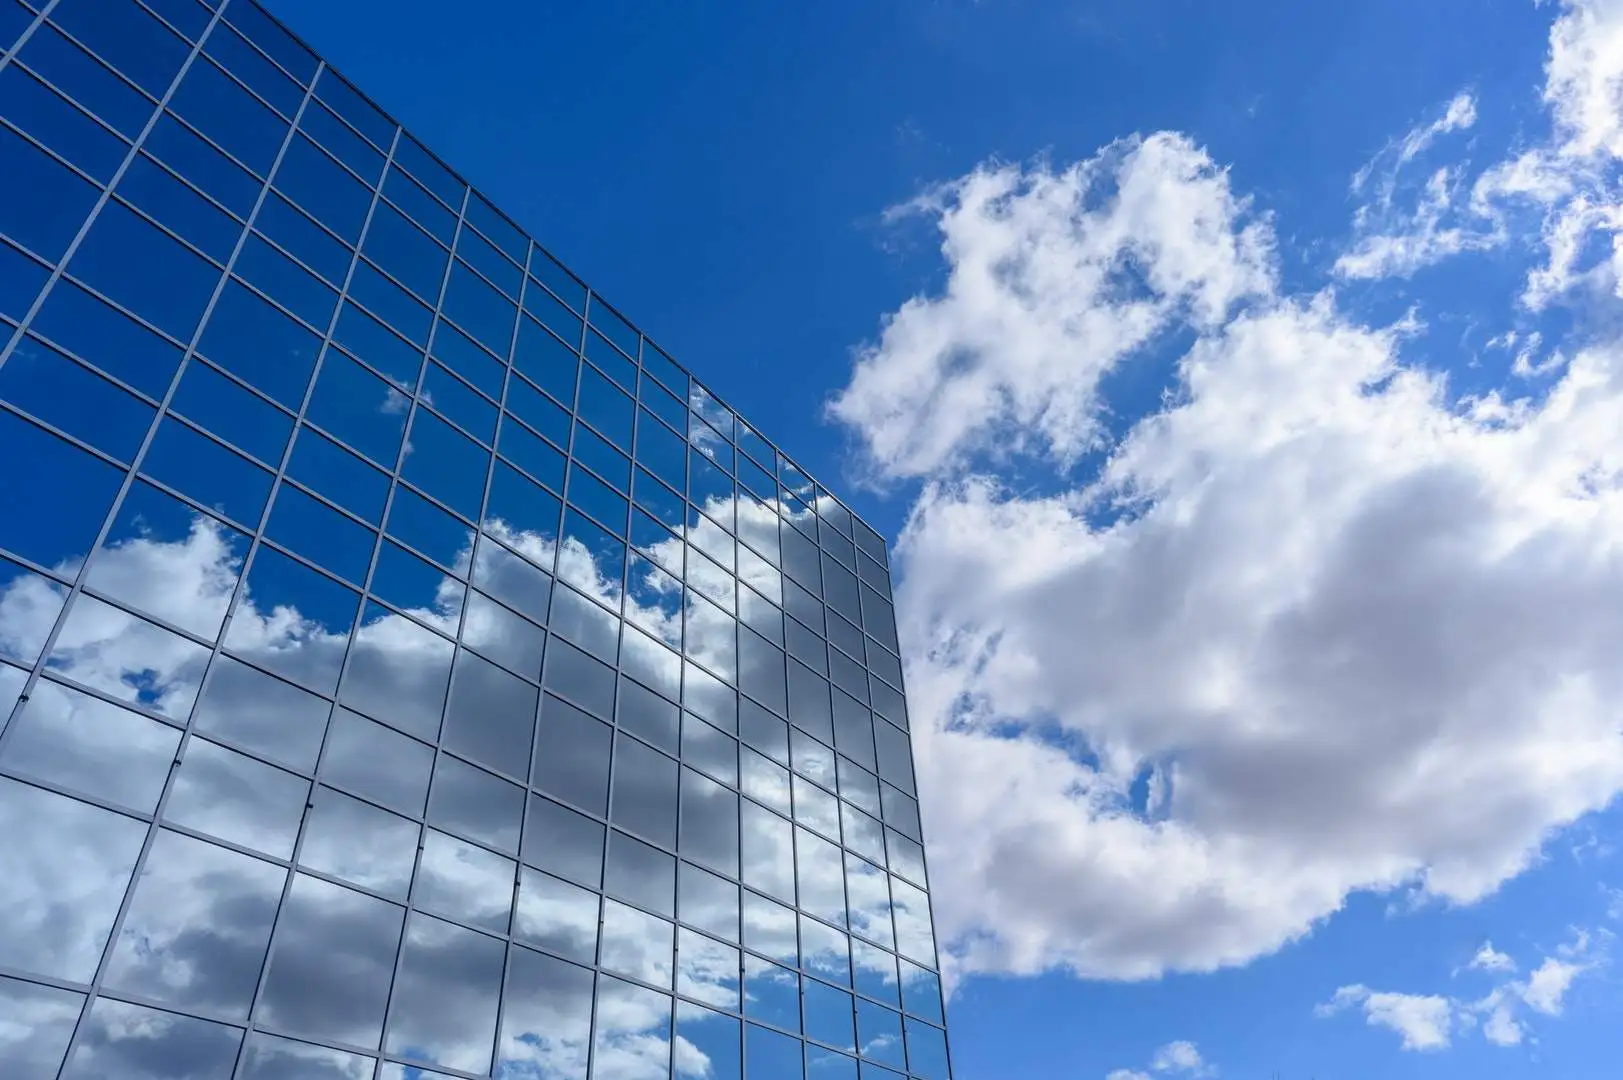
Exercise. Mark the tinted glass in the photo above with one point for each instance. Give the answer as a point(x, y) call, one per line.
point(544, 718)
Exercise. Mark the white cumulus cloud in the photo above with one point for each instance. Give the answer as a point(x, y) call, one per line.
point(1352, 632)
point(1422, 1021)
point(1428, 1021)
point(1042, 300)
point(1489, 958)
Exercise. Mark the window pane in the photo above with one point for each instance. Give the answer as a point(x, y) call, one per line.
point(709, 823)
point(378, 764)
point(459, 353)
point(557, 916)
point(445, 996)
point(60, 932)
point(197, 928)
point(771, 993)
point(271, 1058)
point(476, 804)
point(397, 672)
point(710, 749)
point(425, 167)
point(708, 902)
point(547, 1018)
point(325, 928)
point(644, 875)
point(348, 103)
point(769, 1053)
point(242, 60)
point(637, 944)
point(344, 144)
point(174, 286)
point(577, 676)
point(824, 951)
point(236, 798)
point(80, 741)
point(155, 668)
point(262, 714)
point(219, 108)
point(491, 715)
point(503, 636)
point(81, 78)
point(483, 312)
point(149, 187)
point(572, 756)
point(183, 150)
point(44, 1021)
point(136, 1043)
point(453, 399)
point(415, 200)
point(483, 256)
point(633, 1025)
point(512, 580)
point(398, 360)
point(292, 230)
point(219, 478)
point(547, 361)
point(464, 882)
point(359, 843)
point(879, 1032)
point(446, 464)
point(828, 1015)
point(563, 842)
point(406, 252)
point(226, 409)
point(644, 795)
point(921, 992)
point(286, 282)
point(707, 970)
point(251, 339)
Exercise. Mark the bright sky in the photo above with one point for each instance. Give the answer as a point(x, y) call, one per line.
point(1244, 383)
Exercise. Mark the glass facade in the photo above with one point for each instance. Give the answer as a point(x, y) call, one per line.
point(406, 669)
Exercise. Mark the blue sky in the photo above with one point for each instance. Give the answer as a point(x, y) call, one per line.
point(725, 178)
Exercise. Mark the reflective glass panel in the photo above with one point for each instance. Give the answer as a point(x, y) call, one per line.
point(445, 996)
point(42, 1021)
point(58, 929)
point(546, 1018)
point(70, 738)
point(359, 843)
point(260, 713)
point(323, 928)
point(632, 1031)
point(556, 916)
point(119, 1041)
point(197, 927)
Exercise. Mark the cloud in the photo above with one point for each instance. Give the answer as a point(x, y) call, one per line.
point(1180, 1058)
point(1423, 1022)
point(1584, 78)
point(1055, 276)
point(1395, 242)
point(1488, 958)
point(1548, 984)
point(1559, 197)
point(1354, 632)
point(1458, 115)
point(1407, 242)
point(1428, 1021)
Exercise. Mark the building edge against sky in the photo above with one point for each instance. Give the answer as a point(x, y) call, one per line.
point(373, 623)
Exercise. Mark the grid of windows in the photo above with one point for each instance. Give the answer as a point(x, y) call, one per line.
point(407, 670)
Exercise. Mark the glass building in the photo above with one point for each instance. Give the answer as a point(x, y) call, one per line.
point(407, 670)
